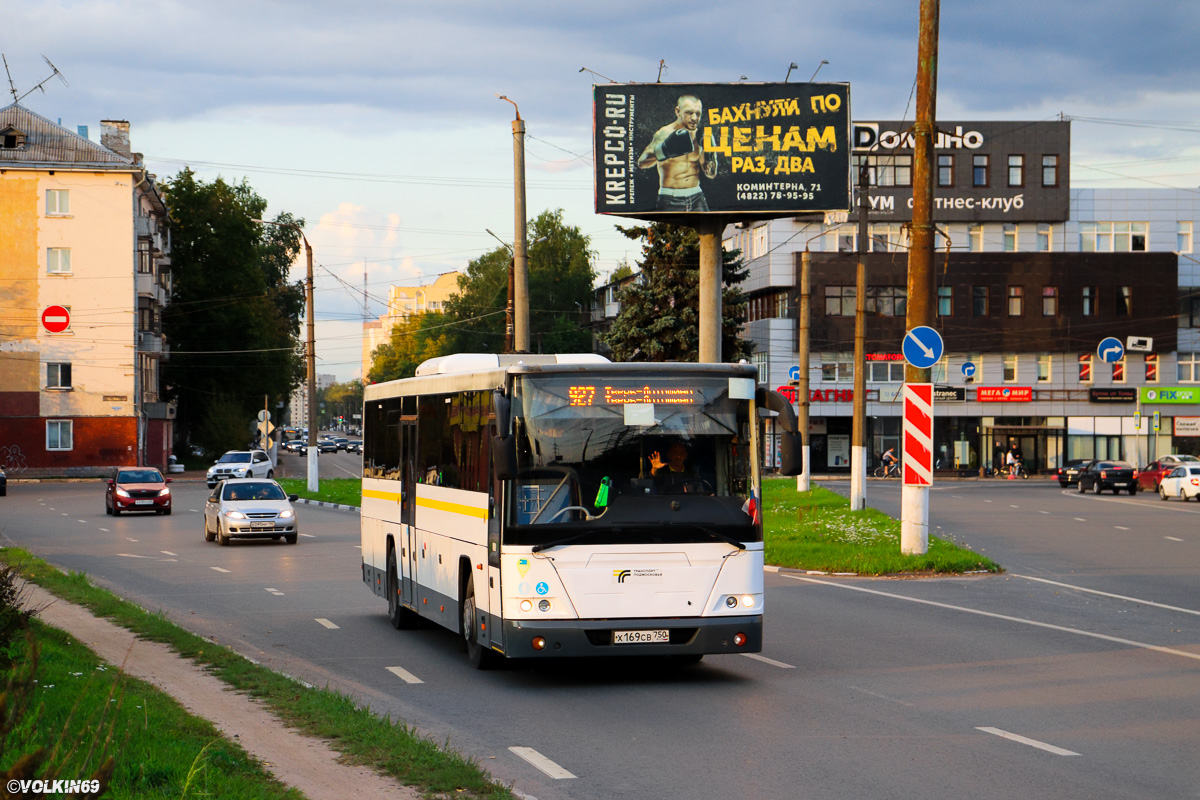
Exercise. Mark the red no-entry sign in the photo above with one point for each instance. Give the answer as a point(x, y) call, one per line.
point(56, 319)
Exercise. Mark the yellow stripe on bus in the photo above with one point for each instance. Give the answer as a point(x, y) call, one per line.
point(453, 508)
point(381, 495)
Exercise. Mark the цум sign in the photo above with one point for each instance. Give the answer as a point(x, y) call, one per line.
point(663, 149)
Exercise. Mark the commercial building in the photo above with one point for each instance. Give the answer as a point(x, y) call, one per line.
point(404, 301)
point(84, 275)
point(1031, 275)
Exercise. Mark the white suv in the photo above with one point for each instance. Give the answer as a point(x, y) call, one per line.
point(241, 464)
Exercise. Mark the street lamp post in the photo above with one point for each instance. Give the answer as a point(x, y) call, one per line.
point(310, 350)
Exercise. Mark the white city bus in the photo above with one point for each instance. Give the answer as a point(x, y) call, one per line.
point(520, 501)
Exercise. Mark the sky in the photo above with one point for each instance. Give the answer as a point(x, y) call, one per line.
point(377, 121)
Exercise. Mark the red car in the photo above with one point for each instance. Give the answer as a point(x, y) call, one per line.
point(137, 489)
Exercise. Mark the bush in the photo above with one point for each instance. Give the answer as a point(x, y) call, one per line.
point(15, 614)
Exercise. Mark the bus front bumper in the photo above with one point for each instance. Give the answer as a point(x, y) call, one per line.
point(688, 636)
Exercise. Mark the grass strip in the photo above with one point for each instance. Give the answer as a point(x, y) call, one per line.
point(816, 530)
point(159, 749)
point(361, 736)
point(347, 491)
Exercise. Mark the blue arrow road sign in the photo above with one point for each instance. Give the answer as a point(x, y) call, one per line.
point(794, 372)
point(968, 369)
point(1111, 350)
point(922, 347)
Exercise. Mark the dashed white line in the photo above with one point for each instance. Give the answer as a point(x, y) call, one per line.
point(1120, 527)
point(770, 661)
point(541, 762)
point(1010, 505)
point(131, 555)
point(1049, 748)
point(168, 553)
point(309, 535)
point(130, 540)
point(1044, 512)
point(219, 569)
point(987, 501)
point(84, 521)
point(105, 530)
point(1108, 594)
point(65, 514)
point(1006, 617)
point(404, 675)
point(327, 624)
point(1173, 538)
point(1080, 519)
point(275, 592)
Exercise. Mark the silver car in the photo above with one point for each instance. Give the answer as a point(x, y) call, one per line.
point(241, 464)
point(250, 508)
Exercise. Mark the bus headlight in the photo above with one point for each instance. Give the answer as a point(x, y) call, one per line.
point(526, 605)
point(544, 605)
point(748, 600)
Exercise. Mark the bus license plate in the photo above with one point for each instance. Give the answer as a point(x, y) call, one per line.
point(641, 637)
point(262, 524)
point(143, 502)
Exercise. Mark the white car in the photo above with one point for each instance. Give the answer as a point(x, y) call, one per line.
point(240, 464)
point(1182, 482)
point(250, 508)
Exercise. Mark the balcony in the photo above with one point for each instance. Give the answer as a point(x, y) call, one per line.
point(150, 342)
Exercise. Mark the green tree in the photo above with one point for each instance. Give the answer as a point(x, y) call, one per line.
point(234, 319)
point(343, 400)
point(414, 339)
point(659, 318)
point(561, 274)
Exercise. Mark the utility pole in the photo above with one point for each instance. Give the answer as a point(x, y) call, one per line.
point(310, 352)
point(858, 449)
point(711, 284)
point(802, 483)
point(914, 500)
point(520, 259)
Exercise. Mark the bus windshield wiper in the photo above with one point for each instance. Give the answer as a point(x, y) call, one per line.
point(724, 538)
point(537, 548)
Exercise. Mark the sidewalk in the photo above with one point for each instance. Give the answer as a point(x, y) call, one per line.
point(297, 760)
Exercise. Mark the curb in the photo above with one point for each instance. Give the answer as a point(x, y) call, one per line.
point(323, 504)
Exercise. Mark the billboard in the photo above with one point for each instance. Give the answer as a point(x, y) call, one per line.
point(744, 148)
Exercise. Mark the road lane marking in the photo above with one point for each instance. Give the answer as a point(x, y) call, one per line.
point(541, 762)
point(1010, 505)
point(1044, 512)
point(168, 553)
point(1005, 617)
point(218, 569)
point(987, 501)
point(130, 540)
point(1179, 507)
point(1080, 519)
point(1173, 538)
point(131, 555)
point(84, 521)
point(1049, 748)
point(880, 696)
point(105, 530)
point(327, 624)
point(404, 675)
point(1120, 528)
point(1109, 594)
point(766, 660)
point(65, 514)
point(309, 535)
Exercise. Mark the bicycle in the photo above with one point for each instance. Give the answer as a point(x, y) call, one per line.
point(884, 471)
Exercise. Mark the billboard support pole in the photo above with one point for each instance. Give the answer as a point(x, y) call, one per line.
point(710, 289)
point(914, 500)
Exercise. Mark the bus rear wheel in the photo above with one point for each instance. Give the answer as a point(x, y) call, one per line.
point(479, 656)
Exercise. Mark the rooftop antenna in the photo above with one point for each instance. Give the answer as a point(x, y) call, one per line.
point(662, 65)
point(11, 87)
point(54, 73)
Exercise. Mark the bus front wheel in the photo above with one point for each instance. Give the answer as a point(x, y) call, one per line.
point(480, 657)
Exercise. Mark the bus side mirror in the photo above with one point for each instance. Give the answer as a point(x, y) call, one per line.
point(504, 457)
point(791, 454)
point(774, 401)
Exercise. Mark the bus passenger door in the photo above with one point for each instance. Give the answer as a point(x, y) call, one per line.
point(408, 499)
point(495, 524)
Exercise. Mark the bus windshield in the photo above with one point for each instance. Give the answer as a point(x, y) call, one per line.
point(631, 458)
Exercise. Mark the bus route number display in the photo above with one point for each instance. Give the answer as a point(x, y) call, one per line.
point(619, 396)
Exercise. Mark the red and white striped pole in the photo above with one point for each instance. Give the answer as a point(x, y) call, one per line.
point(918, 466)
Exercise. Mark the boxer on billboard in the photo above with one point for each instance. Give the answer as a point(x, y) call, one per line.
point(680, 158)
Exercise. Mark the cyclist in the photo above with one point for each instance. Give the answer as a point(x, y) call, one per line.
point(889, 461)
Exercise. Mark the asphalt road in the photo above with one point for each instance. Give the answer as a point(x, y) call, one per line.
point(866, 688)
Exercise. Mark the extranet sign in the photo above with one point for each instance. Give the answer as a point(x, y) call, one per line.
point(742, 148)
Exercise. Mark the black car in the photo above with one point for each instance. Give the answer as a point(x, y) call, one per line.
point(327, 446)
point(3, 483)
point(1115, 475)
point(1069, 473)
